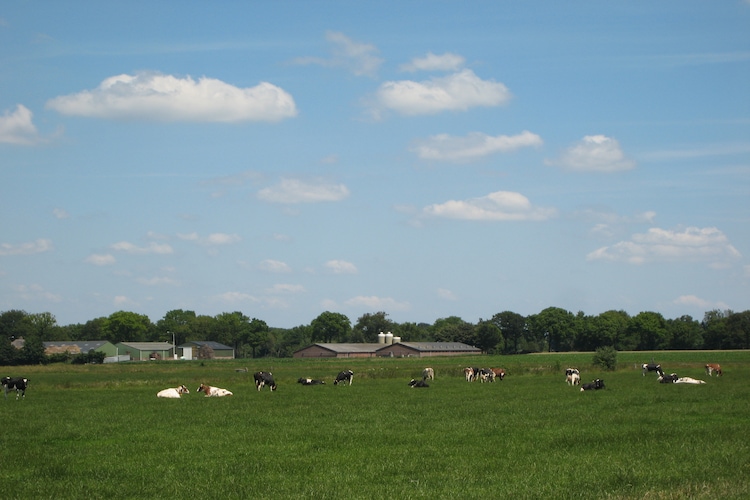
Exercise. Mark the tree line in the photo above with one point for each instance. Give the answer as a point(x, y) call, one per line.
point(553, 329)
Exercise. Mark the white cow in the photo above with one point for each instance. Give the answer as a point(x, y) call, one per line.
point(213, 392)
point(428, 373)
point(688, 380)
point(573, 379)
point(173, 392)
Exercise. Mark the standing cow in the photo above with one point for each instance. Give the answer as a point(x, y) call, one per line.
point(573, 376)
point(428, 373)
point(652, 367)
point(263, 379)
point(713, 367)
point(19, 384)
point(344, 377)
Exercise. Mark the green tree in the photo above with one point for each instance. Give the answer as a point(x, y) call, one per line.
point(606, 358)
point(488, 336)
point(685, 333)
point(231, 329)
point(177, 322)
point(123, 326)
point(16, 324)
point(557, 326)
point(738, 330)
point(651, 329)
point(257, 334)
point(330, 327)
point(715, 329)
point(454, 329)
point(369, 325)
point(512, 327)
point(44, 324)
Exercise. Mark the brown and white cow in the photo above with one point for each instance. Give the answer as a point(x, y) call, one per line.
point(469, 374)
point(213, 392)
point(714, 367)
point(499, 373)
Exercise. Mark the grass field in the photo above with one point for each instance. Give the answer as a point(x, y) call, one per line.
point(98, 431)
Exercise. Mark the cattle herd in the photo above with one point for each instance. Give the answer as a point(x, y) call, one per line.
point(346, 377)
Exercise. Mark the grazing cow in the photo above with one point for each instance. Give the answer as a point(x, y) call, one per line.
point(572, 376)
point(213, 392)
point(652, 367)
point(714, 367)
point(345, 376)
point(428, 373)
point(469, 374)
point(485, 375)
point(310, 381)
point(499, 373)
point(689, 380)
point(668, 379)
point(19, 384)
point(263, 379)
point(418, 383)
point(593, 386)
point(173, 393)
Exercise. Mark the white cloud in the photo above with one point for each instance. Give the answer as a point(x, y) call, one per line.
point(359, 58)
point(446, 294)
point(151, 248)
point(457, 92)
point(475, 145)
point(299, 191)
point(60, 213)
point(234, 297)
point(17, 127)
point(285, 288)
point(341, 267)
point(378, 303)
point(101, 259)
point(497, 206)
point(32, 247)
point(274, 266)
point(36, 292)
point(122, 300)
point(594, 153)
point(432, 62)
point(157, 281)
point(166, 98)
point(691, 244)
point(699, 303)
point(221, 239)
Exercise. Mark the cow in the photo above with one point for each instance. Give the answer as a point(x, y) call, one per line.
point(593, 386)
point(668, 379)
point(689, 380)
point(173, 392)
point(652, 367)
point(213, 392)
point(310, 381)
point(345, 376)
point(486, 375)
point(428, 373)
point(263, 379)
point(19, 384)
point(714, 367)
point(469, 374)
point(499, 373)
point(572, 376)
point(418, 383)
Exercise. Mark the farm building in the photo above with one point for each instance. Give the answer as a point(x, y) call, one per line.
point(144, 351)
point(77, 347)
point(200, 349)
point(398, 349)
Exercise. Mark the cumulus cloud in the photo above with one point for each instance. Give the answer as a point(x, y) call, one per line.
point(30, 248)
point(221, 239)
point(151, 248)
point(341, 267)
point(375, 303)
point(285, 288)
point(699, 303)
point(235, 297)
point(691, 244)
point(594, 153)
point(101, 259)
point(432, 62)
point(167, 98)
point(274, 266)
point(17, 127)
point(36, 292)
point(298, 191)
point(456, 92)
point(497, 206)
point(476, 145)
point(359, 58)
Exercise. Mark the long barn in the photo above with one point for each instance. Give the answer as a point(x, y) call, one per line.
point(398, 349)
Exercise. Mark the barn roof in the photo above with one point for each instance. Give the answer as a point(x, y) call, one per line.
point(348, 347)
point(351, 348)
point(440, 346)
point(146, 346)
point(216, 346)
point(83, 346)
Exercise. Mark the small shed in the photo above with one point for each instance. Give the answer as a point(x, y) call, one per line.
point(144, 351)
point(191, 349)
point(338, 350)
point(427, 349)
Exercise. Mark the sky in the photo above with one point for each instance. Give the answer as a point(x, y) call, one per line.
point(425, 159)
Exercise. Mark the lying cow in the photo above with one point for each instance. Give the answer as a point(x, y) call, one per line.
point(714, 367)
point(173, 392)
point(213, 392)
point(689, 380)
point(428, 373)
point(19, 384)
point(668, 379)
point(310, 381)
point(263, 379)
point(345, 376)
point(652, 367)
point(418, 383)
point(593, 386)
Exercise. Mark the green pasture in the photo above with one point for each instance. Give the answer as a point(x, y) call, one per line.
point(98, 431)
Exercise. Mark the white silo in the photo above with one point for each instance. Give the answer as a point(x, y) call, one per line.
point(396, 340)
point(381, 338)
point(389, 338)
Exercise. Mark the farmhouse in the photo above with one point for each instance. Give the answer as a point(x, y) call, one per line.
point(399, 349)
point(144, 351)
point(77, 347)
point(200, 349)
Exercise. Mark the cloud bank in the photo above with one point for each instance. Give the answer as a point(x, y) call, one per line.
point(474, 146)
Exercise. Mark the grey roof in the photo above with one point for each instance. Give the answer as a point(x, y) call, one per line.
point(354, 347)
point(84, 346)
point(210, 343)
point(417, 346)
point(146, 346)
point(440, 346)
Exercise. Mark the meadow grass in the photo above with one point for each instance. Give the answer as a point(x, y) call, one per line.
point(99, 431)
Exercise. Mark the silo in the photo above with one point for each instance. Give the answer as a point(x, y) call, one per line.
point(389, 338)
point(381, 338)
point(396, 340)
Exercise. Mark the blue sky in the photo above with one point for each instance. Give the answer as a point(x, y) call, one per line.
point(426, 159)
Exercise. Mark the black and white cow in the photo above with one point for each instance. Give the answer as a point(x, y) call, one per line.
point(345, 376)
point(310, 381)
point(19, 384)
point(418, 383)
point(652, 367)
point(593, 386)
point(668, 379)
point(263, 379)
point(572, 376)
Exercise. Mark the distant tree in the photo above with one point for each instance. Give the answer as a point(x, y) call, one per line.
point(8, 354)
point(606, 358)
point(202, 328)
point(330, 327)
point(738, 330)
point(124, 326)
point(685, 333)
point(15, 324)
point(257, 334)
point(369, 325)
point(513, 327)
point(557, 326)
point(413, 332)
point(230, 329)
point(651, 329)
point(32, 352)
point(488, 336)
point(177, 322)
point(454, 329)
point(94, 329)
point(43, 323)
